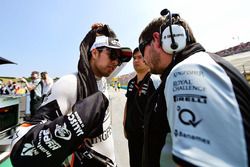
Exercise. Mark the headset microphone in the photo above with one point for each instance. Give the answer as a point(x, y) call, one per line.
point(164, 12)
point(173, 36)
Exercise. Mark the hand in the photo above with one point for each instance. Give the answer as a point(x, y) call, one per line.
point(23, 80)
point(96, 25)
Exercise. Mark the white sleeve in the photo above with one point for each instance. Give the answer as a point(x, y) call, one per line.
point(156, 80)
point(65, 92)
point(203, 114)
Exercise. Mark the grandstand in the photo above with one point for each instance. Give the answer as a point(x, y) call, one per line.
point(239, 56)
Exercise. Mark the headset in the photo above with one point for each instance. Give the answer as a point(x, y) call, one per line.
point(173, 36)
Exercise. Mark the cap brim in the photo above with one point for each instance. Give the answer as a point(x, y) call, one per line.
point(103, 41)
point(126, 53)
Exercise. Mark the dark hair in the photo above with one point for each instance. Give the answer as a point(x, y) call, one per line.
point(89, 39)
point(135, 50)
point(86, 82)
point(34, 72)
point(43, 74)
point(154, 26)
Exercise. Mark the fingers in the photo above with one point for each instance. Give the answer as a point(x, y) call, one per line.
point(96, 25)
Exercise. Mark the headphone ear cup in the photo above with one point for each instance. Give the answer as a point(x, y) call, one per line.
point(174, 45)
point(179, 36)
point(188, 38)
point(162, 29)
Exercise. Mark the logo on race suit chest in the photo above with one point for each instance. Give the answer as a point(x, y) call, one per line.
point(107, 133)
point(46, 143)
point(49, 141)
point(62, 132)
point(29, 150)
point(76, 123)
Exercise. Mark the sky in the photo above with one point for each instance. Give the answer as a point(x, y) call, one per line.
point(44, 35)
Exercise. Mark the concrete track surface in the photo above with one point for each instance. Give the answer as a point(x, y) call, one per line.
point(117, 103)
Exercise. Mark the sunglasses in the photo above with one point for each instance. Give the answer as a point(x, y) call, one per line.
point(143, 45)
point(114, 54)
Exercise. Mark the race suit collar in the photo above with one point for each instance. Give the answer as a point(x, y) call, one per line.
point(179, 57)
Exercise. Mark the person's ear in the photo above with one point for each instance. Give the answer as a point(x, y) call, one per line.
point(94, 53)
point(157, 39)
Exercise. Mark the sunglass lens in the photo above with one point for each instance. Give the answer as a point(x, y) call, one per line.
point(113, 54)
point(142, 47)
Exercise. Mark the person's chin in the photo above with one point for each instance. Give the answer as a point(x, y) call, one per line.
point(107, 74)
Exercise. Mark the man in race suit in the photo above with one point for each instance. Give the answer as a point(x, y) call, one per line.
point(73, 127)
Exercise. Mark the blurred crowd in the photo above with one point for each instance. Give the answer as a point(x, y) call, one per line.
point(20, 86)
point(12, 88)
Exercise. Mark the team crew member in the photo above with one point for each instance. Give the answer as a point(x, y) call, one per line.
point(207, 99)
point(74, 119)
point(139, 90)
point(35, 88)
point(47, 83)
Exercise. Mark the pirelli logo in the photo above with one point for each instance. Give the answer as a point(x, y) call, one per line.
point(190, 98)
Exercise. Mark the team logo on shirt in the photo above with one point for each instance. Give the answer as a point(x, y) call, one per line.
point(29, 150)
point(191, 72)
point(190, 98)
point(131, 86)
point(144, 89)
point(101, 138)
point(198, 138)
point(187, 117)
point(187, 85)
point(62, 132)
point(76, 123)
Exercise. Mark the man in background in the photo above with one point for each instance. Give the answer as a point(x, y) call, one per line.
point(35, 88)
point(138, 91)
point(47, 83)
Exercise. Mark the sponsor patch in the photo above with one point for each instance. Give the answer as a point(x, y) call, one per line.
point(49, 141)
point(62, 132)
point(45, 140)
point(178, 133)
point(76, 123)
point(29, 150)
point(181, 85)
point(191, 72)
point(187, 117)
point(190, 98)
point(101, 138)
